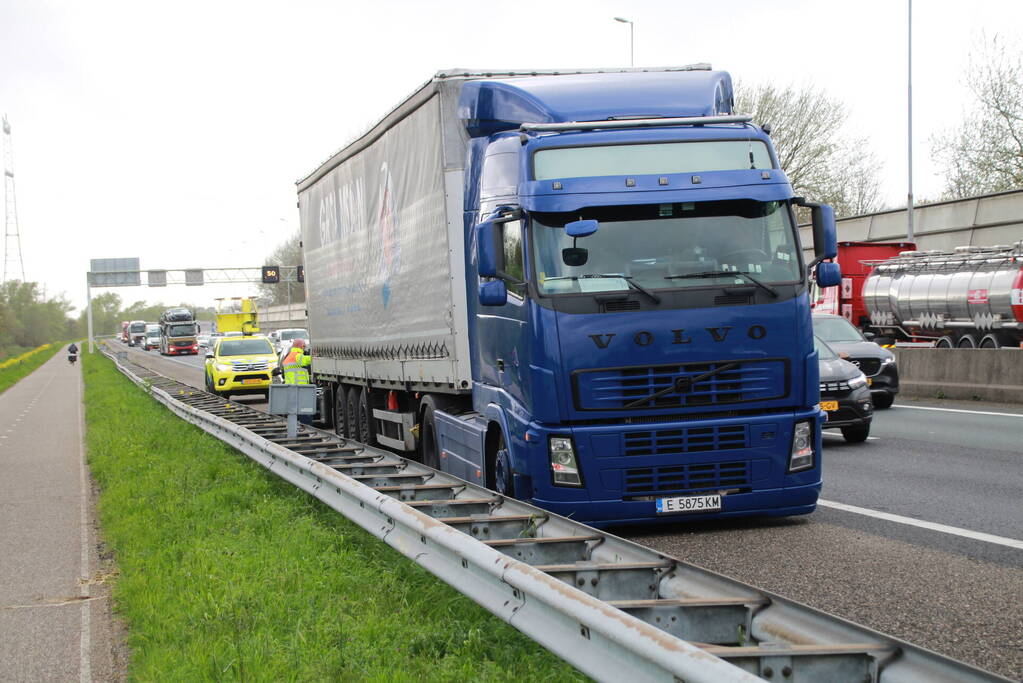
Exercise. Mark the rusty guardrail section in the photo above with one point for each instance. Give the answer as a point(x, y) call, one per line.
point(611, 608)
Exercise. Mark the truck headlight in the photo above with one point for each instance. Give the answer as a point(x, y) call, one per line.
point(564, 468)
point(857, 382)
point(801, 455)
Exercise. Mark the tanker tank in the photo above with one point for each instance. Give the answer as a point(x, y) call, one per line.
point(971, 297)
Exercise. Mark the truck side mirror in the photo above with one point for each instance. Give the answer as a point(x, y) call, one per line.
point(493, 293)
point(825, 234)
point(489, 259)
point(829, 274)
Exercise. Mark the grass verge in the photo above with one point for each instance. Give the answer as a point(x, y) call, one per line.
point(229, 573)
point(11, 374)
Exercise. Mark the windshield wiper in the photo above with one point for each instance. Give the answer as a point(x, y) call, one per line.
point(726, 273)
point(628, 280)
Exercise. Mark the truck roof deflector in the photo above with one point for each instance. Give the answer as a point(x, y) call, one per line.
point(636, 123)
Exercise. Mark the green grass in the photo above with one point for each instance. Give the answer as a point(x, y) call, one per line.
point(12, 374)
point(229, 573)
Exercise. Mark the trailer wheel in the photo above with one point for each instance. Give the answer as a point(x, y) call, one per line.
point(429, 452)
point(991, 341)
point(945, 342)
point(341, 412)
point(367, 434)
point(967, 341)
point(352, 412)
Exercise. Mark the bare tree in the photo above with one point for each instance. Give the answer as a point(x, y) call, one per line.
point(985, 152)
point(287, 253)
point(821, 160)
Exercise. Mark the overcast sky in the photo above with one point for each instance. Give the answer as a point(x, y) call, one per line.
point(175, 131)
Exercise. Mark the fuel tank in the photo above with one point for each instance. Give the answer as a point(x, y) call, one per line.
point(968, 288)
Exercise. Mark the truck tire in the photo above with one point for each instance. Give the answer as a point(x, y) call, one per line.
point(991, 341)
point(367, 433)
point(340, 408)
point(856, 433)
point(945, 342)
point(352, 412)
point(499, 476)
point(429, 450)
point(967, 341)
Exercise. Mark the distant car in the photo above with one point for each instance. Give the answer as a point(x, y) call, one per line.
point(877, 364)
point(844, 395)
point(240, 365)
point(204, 341)
point(283, 338)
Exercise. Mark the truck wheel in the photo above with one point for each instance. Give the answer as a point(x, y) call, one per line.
point(367, 434)
point(856, 433)
point(341, 412)
point(429, 452)
point(967, 341)
point(991, 341)
point(945, 342)
point(883, 401)
point(499, 473)
point(352, 412)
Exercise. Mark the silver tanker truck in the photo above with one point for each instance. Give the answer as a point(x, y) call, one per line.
point(971, 297)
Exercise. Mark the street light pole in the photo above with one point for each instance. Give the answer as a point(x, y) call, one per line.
point(632, 40)
point(909, 95)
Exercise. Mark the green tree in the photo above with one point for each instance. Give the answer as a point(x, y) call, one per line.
point(985, 152)
point(821, 160)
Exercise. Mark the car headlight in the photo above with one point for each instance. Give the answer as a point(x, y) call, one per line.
point(888, 361)
point(857, 382)
point(222, 367)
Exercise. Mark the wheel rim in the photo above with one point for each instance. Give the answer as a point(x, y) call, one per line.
point(339, 412)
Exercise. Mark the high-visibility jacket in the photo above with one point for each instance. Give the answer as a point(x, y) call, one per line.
point(295, 367)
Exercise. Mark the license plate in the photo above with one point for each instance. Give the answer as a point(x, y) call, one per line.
point(829, 406)
point(688, 504)
point(251, 381)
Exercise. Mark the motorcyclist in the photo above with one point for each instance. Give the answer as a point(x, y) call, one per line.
point(72, 353)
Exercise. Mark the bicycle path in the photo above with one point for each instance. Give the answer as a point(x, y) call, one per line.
point(55, 615)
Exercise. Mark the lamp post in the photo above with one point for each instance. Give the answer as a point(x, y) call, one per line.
point(632, 43)
point(909, 94)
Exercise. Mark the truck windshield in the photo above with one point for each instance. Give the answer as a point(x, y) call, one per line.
point(662, 246)
point(294, 334)
point(183, 330)
point(244, 347)
point(138, 327)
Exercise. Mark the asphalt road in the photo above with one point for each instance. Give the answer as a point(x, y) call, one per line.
point(947, 588)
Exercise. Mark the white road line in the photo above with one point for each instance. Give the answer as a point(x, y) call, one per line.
point(933, 526)
point(85, 644)
point(957, 410)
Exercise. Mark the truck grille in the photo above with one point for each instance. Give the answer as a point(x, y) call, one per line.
point(633, 387)
point(687, 440)
point(183, 343)
point(868, 366)
point(682, 478)
point(243, 367)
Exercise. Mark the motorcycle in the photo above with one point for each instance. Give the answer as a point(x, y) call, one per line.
point(71, 358)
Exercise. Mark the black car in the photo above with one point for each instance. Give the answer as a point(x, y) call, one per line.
point(844, 395)
point(876, 363)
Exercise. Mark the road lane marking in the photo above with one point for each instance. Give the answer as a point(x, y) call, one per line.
point(958, 410)
point(933, 526)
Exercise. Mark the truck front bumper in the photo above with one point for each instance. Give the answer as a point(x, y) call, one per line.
point(183, 350)
point(626, 468)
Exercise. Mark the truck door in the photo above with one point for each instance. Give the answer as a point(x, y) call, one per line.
point(504, 331)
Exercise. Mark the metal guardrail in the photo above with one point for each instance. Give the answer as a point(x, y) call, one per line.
point(613, 609)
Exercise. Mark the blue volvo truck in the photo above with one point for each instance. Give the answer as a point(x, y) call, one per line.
point(582, 289)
